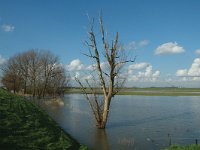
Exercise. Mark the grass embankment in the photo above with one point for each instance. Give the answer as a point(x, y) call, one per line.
point(146, 91)
point(161, 91)
point(189, 147)
point(23, 125)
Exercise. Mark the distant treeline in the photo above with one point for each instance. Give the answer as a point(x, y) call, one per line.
point(34, 72)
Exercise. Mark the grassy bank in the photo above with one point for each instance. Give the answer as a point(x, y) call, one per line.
point(189, 147)
point(146, 91)
point(24, 125)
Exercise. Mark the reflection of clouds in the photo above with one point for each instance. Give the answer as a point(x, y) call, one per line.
point(77, 104)
point(56, 103)
point(194, 120)
point(195, 104)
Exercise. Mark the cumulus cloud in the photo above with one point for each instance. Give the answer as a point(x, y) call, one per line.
point(135, 73)
point(137, 45)
point(142, 72)
point(94, 66)
point(181, 72)
point(8, 28)
point(91, 67)
point(138, 66)
point(77, 75)
point(169, 48)
point(195, 68)
point(156, 74)
point(197, 51)
point(2, 60)
point(193, 73)
point(75, 65)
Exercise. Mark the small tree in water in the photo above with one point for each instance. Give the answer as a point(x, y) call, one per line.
point(105, 73)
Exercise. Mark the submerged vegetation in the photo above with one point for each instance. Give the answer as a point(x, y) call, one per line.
point(23, 125)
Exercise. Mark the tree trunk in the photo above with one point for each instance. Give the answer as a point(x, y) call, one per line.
point(105, 113)
point(24, 88)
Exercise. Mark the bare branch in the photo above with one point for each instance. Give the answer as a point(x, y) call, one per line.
point(88, 99)
point(124, 62)
point(91, 56)
point(106, 46)
point(93, 41)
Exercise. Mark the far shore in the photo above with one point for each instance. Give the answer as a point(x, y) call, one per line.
point(157, 91)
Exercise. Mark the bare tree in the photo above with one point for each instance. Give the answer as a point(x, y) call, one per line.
point(35, 72)
point(24, 63)
point(57, 81)
point(110, 79)
point(11, 75)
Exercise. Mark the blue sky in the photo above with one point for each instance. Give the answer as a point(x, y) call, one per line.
point(172, 27)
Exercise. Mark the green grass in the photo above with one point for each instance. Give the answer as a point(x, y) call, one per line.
point(23, 125)
point(189, 147)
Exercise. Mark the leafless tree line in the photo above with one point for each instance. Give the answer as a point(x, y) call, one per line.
point(34, 72)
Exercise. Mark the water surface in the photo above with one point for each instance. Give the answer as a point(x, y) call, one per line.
point(135, 122)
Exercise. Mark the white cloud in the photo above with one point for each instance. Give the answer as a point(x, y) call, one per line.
point(156, 74)
point(181, 72)
point(94, 66)
point(193, 73)
point(138, 66)
point(142, 72)
point(197, 51)
point(75, 65)
point(87, 77)
point(137, 45)
point(104, 66)
point(169, 48)
point(91, 67)
point(195, 68)
point(2, 60)
point(8, 28)
point(143, 43)
point(77, 75)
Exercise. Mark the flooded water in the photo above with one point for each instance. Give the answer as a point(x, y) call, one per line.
point(135, 122)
